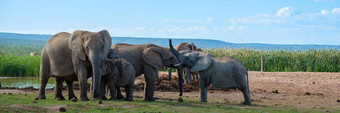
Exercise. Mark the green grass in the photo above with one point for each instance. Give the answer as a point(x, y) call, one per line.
point(24, 103)
point(13, 65)
point(273, 60)
point(20, 50)
point(283, 60)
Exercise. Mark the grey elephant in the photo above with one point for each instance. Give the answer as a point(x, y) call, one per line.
point(188, 75)
point(117, 73)
point(71, 57)
point(225, 72)
point(148, 59)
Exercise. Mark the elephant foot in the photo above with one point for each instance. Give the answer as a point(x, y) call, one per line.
point(246, 103)
point(97, 98)
point(112, 98)
point(104, 98)
point(130, 99)
point(59, 98)
point(120, 97)
point(72, 97)
point(84, 99)
point(204, 101)
point(41, 97)
point(149, 99)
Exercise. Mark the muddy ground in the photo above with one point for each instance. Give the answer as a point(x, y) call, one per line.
point(308, 90)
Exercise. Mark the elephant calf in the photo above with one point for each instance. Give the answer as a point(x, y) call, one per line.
point(223, 72)
point(117, 73)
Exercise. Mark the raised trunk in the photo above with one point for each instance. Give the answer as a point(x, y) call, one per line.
point(178, 66)
point(180, 79)
point(96, 76)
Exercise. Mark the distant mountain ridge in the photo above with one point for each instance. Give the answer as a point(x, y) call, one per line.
point(40, 40)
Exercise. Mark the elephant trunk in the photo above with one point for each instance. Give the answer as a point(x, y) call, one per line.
point(180, 79)
point(96, 60)
point(178, 55)
point(178, 66)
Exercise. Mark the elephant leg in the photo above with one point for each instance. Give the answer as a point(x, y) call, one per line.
point(107, 90)
point(43, 81)
point(82, 77)
point(44, 76)
point(91, 86)
point(70, 89)
point(194, 76)
point(187, 77)
point(112, 88)
point(247, 100)
point(203, 85)
point(129, 91)
point(119, 93)
point(243, 86)
point(102, 89)
point(58, 89)
point(150, 75)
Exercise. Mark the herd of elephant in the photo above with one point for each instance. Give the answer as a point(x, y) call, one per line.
point(83, 54)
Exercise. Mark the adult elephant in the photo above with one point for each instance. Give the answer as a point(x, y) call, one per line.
point(72, 57)
point(186, 46)
point(148, 59)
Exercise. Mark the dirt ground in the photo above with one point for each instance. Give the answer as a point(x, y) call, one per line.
point(307, 90)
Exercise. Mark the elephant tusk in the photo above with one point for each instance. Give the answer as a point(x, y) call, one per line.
point(177, 64)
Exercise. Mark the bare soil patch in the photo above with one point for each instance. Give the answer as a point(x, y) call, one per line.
point(308, 90)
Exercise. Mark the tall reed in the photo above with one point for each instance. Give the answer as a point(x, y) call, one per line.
point(22, 66)
point(273, 61)
point(284, 60)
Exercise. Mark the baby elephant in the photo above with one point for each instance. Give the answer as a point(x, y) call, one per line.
point(117, 73)
point(223, 72)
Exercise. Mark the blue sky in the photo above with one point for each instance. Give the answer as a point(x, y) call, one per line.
point(238, 21)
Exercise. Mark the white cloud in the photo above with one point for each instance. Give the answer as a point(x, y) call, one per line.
point(264, 19)
point(324, 12)
point(336, 11)
point(210, 19)
point(197, 28)
point(234, 27)
point(180, 21)
point(285, 12)
point(139, 28)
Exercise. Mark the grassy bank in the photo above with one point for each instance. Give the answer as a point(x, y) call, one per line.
point(282, 60)
point(26, 103)
point(13, 65)
point(273, 61)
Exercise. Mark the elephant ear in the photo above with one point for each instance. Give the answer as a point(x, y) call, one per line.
point(107, 41)
point(193, 47)
point(203, 62)
point(152, 56)
point(113, 54)
point(76, 44)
